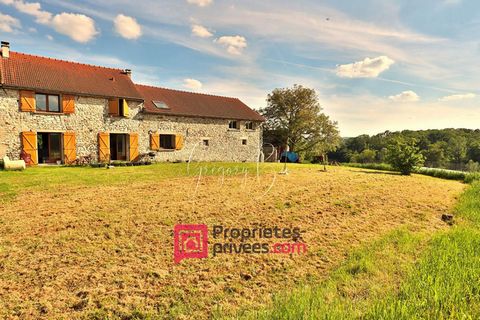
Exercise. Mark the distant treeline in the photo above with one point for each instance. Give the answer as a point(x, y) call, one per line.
point(457, 149)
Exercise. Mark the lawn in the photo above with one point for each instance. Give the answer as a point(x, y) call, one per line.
point(97, 243)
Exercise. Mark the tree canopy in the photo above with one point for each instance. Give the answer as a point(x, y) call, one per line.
point(441, 148)
point(294, 117)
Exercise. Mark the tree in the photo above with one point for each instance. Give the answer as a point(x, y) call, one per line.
point(404, 155)
point(366, 156)
point(435, 154)
point(294, 117)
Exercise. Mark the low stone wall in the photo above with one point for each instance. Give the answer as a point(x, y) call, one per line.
point(91, 117)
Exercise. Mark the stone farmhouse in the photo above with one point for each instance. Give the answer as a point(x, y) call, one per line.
point(55, 111)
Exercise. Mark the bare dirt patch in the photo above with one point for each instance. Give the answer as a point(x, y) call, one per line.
point(96, 250)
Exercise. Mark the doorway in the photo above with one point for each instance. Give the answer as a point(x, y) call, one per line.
point(118, 147)
point(49, 147)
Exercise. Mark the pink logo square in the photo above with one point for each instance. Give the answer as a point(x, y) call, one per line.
point(190, 241)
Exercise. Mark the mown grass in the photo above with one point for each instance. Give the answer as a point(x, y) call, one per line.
point(399, 277)
point(52, 177)
point(467, 177)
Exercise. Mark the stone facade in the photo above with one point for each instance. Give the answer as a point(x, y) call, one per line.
point(91, 117)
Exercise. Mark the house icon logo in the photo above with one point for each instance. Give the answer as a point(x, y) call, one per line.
point(190, 241)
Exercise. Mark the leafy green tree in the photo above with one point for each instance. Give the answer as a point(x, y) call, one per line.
point(294, 117)
point(404, 155)
point(366, 156)
point(474, 150)
point(435, 154)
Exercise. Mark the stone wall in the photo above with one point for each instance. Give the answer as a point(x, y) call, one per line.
point(91, 117)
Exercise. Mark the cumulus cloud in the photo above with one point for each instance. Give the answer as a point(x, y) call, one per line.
point(405, 96)
point(454, 97)
point(192, 84)
point(201, 31)
point(367, 68)
point(200, 3)
point(78, 27)
point(8, 23)
point(234, 44)
point(127, 27)
point(31, 8)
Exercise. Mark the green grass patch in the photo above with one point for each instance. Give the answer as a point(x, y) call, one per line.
point(55, 178)
point(402, 276)
point(467, 177)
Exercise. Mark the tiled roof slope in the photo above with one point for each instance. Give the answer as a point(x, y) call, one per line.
point(39, 73)
point(182, 103)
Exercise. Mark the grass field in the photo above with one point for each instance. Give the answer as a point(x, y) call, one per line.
point(96, 243)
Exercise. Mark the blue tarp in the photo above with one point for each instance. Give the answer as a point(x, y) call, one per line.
point(291, 156)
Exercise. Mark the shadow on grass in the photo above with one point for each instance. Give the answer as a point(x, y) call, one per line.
point(378, 172)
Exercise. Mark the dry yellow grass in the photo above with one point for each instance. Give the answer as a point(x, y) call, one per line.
point(86, 250)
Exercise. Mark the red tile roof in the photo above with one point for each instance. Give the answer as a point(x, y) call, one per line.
point(40, 73)
point(182, 103)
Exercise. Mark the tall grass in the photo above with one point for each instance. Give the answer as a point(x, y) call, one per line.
point(402, 276)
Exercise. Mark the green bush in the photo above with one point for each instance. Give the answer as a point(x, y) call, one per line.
point(404, 155)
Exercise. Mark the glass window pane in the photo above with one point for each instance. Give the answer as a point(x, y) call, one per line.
point(41, 102)
point(55, 147)
point(53, 104)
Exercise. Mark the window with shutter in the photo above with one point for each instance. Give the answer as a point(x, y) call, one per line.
point(68, 104)
point(155, 141)
point(113, 107)
point(27, 101)
point(178, 142)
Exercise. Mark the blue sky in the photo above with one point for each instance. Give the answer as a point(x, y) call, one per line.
point(376, 64)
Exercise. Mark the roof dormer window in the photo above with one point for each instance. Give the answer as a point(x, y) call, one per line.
point(160, 105)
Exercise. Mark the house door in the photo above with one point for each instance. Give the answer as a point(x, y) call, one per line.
point(49, 147)
point(118, 147)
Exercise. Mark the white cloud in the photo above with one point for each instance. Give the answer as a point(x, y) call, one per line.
point(201, 31)
point(454, 97)
point(234, 44)
point(368, 68)
point(200, 3)
point(8, 23)
point(31, 8)
point(49, 37)
point(79, 27)
point(405, 96)
point(127, 27)
point(192, 84)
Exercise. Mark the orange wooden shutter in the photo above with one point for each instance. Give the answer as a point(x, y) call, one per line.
point(133, 146)
point(68, 104)
point(113, 108)
point(27, 101)
point(155, 141)
point(178, 142)
point(29, 145)
point(103, 147)
point(69, 147)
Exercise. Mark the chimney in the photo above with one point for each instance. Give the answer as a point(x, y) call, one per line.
point(5, 49)
point(128, 72)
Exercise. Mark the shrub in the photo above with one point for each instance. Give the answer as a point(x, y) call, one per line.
point(472, 166)
point(404, 156)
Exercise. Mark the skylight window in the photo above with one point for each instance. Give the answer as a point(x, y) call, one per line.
point(160, 105)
